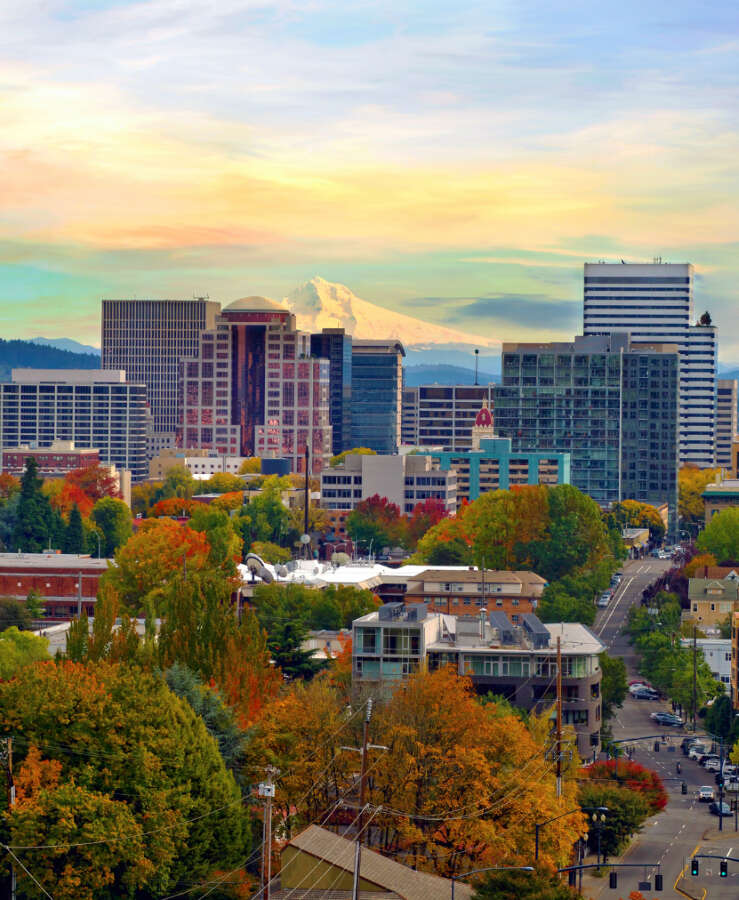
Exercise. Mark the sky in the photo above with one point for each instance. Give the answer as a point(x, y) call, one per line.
point(453, 161)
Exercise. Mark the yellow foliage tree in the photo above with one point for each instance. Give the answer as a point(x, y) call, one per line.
point(692, 481)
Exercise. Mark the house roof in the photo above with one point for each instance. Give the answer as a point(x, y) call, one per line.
point(700, 588)
point(475, 576)
point(395, 878)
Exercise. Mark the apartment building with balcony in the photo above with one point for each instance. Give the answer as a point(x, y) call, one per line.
point(518, 662)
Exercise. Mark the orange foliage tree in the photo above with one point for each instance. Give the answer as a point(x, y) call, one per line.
point(173, 506)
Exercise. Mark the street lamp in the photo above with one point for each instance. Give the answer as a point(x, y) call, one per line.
point(538, 825)
point(598, 822)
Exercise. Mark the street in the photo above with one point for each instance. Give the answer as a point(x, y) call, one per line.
point(685, 826)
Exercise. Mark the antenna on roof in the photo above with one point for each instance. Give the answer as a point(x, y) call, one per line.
point(477, 357)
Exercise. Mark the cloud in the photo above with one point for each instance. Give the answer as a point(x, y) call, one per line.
point(532, 312)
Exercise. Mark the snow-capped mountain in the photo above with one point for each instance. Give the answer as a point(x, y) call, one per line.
point(321, 304)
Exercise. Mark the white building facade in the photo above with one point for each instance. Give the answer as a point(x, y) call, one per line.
point(654, 303)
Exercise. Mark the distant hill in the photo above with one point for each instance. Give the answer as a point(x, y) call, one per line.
point(66, 344)
point(27, 355)
point(441, 374)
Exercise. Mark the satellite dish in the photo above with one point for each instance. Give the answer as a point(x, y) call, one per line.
point(281, 571)
point(305, 539)
point(253, 562)
point(340, 559)
point(265, 574)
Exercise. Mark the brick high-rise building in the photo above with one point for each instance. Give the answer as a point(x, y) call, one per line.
point(253, 388)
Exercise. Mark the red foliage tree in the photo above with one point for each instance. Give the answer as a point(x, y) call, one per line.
point(172, 506)
point(425, 515)
point(631, 775)
point(95, 481)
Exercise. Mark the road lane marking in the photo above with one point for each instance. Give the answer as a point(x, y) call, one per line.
point(614, 607)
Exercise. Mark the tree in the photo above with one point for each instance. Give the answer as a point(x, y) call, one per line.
point(692, 481)
point(145, 563)
point(251, 466)
point(632, 776)
point(95, 481)
point(13, 612)
point(176, 507)
point(163, 782)
point(113, 519)
point(74, 536)
point(720, 537)
point(514, 885)
point(340, 457)
point(223, 483)
point(699, 561)
point(19, 649)
point(613, 686)
point(425, 515)
point(37, 525)
point(376, 523)
point(633, 514)
point(218, 528)
point(270, 552)
point(9, 485)
point(265, 517)
point(720, 719)
point(627, 812)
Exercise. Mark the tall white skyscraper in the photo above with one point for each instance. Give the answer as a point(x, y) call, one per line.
point(654, 303)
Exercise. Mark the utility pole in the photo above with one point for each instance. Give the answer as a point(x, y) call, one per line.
point(362, 801)
point(79, 595)
point(695, 675)
point(559, 716)
point(7, 756)
point(306, 499)
point(721, 787)
point(267, 790)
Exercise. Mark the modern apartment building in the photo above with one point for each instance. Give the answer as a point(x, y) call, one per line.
point(147, 339)
point(726, 422)
point(377, 384)
point(409, 417)
point(653, 302)
point(403, 480)
point(445, 414)
point(518, 662)
point(93, 408)
point(335, 345)
point(610, 404)
point(253, 389)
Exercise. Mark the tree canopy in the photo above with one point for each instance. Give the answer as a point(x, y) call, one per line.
point(720, 537)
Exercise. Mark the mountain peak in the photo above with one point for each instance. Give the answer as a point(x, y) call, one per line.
point(321, 304)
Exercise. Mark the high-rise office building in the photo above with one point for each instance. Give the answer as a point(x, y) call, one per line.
point(409, 417)
point(253, 388)
point(446, 413)
point(147, 339)
point(335, 345)
point(653, 302)
point(609, 403)
point(377, 385)
point(726, 421)
point(92, 407)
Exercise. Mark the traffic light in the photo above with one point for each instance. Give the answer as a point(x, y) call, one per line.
point(724, 869)
point(658, 882)
point(695, 867)
point(656, 746)
point(613, 880)
point(684, 787)
point(572, 878)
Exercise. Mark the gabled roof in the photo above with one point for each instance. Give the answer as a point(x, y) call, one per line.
point(393, 877)
point(700, 588)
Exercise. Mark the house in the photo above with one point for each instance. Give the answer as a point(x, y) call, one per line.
point(711, 600)
point(318, 863)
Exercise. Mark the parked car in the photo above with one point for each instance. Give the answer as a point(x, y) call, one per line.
point(720, 809)
point(638, 685)
point(697, 750)
point(712, 764)
point(665, 718)
point(687, 743)
point(645, 694)
point(732, 785)
point(705, 793)
point(603, 600)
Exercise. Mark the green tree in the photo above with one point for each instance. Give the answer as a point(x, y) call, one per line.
point(13, 612)
point(627, 812)
point(720, 719)
point(340, 457)
point(450, 553)
point(223, 483)
point(19, 649)
point(376, 523)
point(265, 517)
point(113, 520)
point(271, 553)
point(225, 544)
point(74, 538)
point(513, 885)
point(613, 686)
point(721, 536)
point(161, 769)
point(35, 604)
point(36, 525)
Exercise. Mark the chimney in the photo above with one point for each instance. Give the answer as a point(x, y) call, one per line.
point(483, 613)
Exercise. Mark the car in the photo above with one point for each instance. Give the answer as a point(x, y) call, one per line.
point(705, 793)
point(712, 764)
point(732, 785)
point(645, 694)
point(638, 685)
point(603, 600)
point(665, 718)
point(720, 809)
point(687, 743)
point(697, 750)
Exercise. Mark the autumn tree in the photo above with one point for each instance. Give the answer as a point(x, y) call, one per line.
point(176, 507)
point(692, 481)
point(340, 457)
point(251, 466)
point(223, 483)
point(95, 481)
point(376, 523)
point(699, 561)
point(19, 649)
point(633, 514)
point(425, 515)
point(163, 783)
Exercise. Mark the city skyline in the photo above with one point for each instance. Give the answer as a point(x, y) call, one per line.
point(458, 165)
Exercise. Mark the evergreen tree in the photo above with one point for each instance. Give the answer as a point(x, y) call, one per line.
point(74, 538)
point(36, 525)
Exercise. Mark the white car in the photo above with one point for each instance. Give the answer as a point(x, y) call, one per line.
point(712, 764)
point(697, 750)
point(705, 793)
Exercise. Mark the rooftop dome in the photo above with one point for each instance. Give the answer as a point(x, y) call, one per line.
point(484, 418)
point(252, 304)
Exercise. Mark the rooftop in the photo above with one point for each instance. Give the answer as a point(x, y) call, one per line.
point(729, 487)
point(255, 304)
point(475, 576)
point(68, 376)
point(70, 561)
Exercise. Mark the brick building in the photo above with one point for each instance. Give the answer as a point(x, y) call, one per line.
point(55, 461)
point(66, 582)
